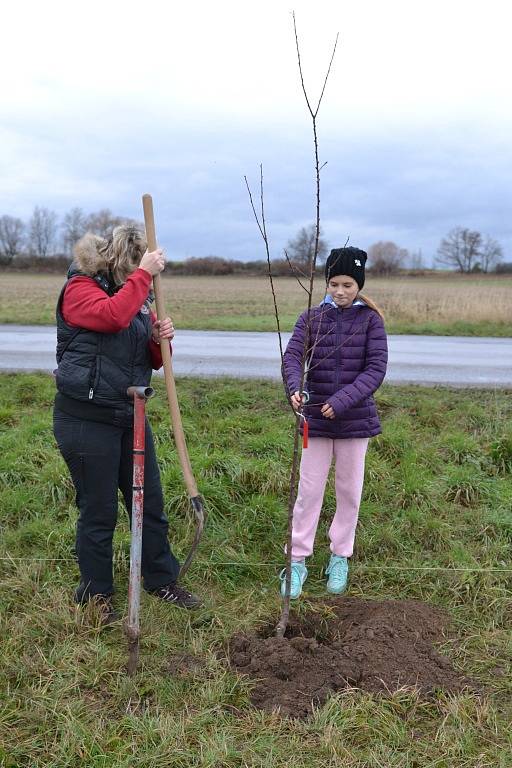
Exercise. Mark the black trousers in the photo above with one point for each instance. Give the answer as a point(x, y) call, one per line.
point(99, 458)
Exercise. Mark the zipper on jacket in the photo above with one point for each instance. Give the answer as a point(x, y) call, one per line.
point(92, 376)
point(132, 331)
point(94, 369)
point(338, 349)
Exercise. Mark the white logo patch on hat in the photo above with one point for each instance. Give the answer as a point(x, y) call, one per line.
point(357, 262)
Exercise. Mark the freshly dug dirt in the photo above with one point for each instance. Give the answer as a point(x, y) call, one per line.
point(377, 646)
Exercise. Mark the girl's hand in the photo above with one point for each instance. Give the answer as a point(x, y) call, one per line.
point(297, 401)
point(163, 329)
point(328, 412)
point(153, 262)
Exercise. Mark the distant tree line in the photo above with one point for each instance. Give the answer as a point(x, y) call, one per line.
point(42, 237)
point(464, 250)
point(44, 244)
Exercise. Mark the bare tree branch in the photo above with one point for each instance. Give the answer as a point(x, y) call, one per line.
point(327, 74)
point(315, 113)
point(263, 231)
point(296, 271)
point(254, 212)
point(334, 349)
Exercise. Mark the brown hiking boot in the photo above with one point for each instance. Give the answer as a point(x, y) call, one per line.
point(103, 609)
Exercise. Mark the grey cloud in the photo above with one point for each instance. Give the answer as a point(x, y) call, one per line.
point(403, 185)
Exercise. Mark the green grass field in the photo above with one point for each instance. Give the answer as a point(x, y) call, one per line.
point(442, 304)
point(435, 526)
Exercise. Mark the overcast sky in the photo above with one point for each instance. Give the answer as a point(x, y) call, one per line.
point(102, 101)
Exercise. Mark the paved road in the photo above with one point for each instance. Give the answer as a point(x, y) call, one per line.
point(455, 361)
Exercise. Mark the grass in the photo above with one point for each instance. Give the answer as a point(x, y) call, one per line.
point(441, 305)
point(435, 525)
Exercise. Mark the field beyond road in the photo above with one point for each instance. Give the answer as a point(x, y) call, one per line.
point(435, 526)
point(455, 305)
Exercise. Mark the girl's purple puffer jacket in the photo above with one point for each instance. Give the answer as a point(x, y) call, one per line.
point(347, 364)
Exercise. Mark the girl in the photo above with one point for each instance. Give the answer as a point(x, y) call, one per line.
point(346, 358)
point(108, 340)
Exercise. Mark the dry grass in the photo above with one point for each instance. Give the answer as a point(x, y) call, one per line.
point(444, 299)
point(449, 304)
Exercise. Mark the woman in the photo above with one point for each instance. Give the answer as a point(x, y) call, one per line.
point(108, 340)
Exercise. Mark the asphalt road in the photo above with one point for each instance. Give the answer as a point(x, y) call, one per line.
point(449, 360)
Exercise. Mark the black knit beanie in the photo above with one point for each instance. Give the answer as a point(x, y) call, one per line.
point(346, 261)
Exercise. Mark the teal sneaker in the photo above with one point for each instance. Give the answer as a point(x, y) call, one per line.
point(298, 577)
point(337, 570)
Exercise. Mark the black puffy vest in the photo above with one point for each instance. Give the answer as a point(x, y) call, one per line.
point(99, 367)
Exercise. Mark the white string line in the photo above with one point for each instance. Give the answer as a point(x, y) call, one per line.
point(277, 565)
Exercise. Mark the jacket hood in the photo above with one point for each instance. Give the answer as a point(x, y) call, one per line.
point(86, 256)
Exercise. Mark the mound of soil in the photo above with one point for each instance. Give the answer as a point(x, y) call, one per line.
point(377, 646)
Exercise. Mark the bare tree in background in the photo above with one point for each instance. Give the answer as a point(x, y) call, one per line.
point(12, 237)
point(74, 226)
point(42, 231)
point(103, 222)
point(301, 248)
point(460, 249)
point(386, 258)
point(416, 260)
point(491, 254)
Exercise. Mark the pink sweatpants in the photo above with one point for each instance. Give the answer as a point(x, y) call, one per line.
point(349, 455)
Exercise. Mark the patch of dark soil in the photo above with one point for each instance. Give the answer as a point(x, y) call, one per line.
point(377, 646)
point(184, 664)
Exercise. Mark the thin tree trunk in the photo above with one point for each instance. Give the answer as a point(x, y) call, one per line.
point(310, 274)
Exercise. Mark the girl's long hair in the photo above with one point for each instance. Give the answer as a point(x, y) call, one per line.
point(371, 304)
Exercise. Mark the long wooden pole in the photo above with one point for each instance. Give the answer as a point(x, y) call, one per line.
point(172, 396)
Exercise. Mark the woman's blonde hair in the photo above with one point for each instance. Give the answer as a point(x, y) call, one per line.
point(118, 255)
point(123, 251)
point(372, 305)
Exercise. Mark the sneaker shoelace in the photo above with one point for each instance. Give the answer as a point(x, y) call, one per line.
point(337, 570)
point(172, 594)
point(295, 580)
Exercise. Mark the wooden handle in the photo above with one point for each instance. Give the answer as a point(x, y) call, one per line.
point(172, 396)
point(149, 222)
